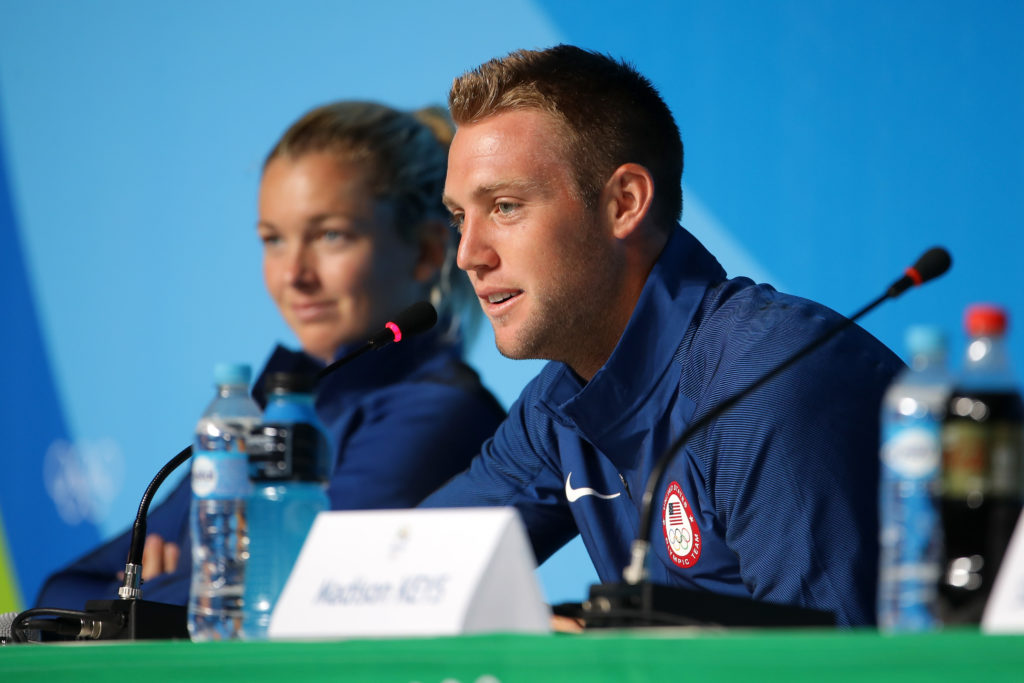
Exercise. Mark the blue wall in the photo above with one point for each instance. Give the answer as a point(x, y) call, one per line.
point(827, 145)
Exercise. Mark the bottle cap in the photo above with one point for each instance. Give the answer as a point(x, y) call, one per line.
point(232, 373)
point(927, 340)
point(983, 320)
point(289, 383)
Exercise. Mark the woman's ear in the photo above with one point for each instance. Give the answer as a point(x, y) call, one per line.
point(433, 247)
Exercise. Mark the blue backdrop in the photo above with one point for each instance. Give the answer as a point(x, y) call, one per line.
point(827, 144)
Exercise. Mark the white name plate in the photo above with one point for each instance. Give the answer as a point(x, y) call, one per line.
point(1004, 611)
point(412, 573)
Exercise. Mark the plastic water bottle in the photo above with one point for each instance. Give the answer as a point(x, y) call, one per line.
point(983, 467)
point(289, 464)
point(910, 538)
point(220, 487)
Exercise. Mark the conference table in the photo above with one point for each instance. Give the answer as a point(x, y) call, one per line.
point(636, 655)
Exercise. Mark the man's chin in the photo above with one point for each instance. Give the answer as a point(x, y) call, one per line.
point(516, 348)
point(507, 347)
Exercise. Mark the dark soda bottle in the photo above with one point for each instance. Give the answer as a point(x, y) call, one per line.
point(983, 476)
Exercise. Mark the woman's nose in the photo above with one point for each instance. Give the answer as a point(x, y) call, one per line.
point(301, 269)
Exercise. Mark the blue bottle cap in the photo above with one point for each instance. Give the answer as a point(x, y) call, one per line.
point(232, 373)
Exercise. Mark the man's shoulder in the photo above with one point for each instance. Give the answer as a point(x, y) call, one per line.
point(747, 328)
point(739, 302)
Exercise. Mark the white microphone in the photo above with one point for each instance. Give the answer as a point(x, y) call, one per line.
point(6, 620)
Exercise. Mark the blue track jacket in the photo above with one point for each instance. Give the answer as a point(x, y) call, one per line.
point(774, 499)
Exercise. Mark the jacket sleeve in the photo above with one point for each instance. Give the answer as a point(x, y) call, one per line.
point(517, 468)
point(403, 442)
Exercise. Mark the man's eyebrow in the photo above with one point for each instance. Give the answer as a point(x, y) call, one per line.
point(517, 185)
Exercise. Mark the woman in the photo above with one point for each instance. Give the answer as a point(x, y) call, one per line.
point(353, 231)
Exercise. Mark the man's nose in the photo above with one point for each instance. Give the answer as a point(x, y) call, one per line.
point(476, 253)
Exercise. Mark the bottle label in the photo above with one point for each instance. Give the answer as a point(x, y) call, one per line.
point(913, 452)
point(220, 475)
point(288, 451)
point(910, 531)
point(1005, 466)
point(965, 459)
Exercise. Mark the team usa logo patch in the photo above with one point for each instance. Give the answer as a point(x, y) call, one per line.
point(682, 537)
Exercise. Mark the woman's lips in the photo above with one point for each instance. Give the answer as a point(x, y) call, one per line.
point(311, 312)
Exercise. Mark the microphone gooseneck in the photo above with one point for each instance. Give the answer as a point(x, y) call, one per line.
point(132, 586)
point(929, 266)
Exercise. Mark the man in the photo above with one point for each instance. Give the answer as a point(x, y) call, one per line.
point(564, 179)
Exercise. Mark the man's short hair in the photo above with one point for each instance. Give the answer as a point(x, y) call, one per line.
point(611, 114)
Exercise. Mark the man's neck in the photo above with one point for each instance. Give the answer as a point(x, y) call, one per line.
point(641, 263)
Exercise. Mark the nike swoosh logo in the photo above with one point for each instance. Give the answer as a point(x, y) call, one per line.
point(575, 494)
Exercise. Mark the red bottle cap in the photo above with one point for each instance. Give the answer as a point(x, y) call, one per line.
point(983, 320)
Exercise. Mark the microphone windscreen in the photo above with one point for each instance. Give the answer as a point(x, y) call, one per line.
point(933, 263)
point(419, 317)
point(416, 319)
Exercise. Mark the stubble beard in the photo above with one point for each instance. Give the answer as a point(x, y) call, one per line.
point(568, 321)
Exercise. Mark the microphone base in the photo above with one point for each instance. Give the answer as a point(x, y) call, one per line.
point(622, 605)
point(138, 619)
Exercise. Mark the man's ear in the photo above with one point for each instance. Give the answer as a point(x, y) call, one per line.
point(627, 198)
point(433, 246)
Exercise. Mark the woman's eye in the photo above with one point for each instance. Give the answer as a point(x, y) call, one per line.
point(270, 240)
point(335, 236)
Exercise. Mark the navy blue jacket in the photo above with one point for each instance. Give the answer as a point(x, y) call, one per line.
point(404, 420)
point(774, 499)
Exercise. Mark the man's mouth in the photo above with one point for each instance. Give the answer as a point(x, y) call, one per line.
point(501, 296)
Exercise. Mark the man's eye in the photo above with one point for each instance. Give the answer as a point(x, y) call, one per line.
point(505, 208)
point(456, 220)
point(270, 240)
